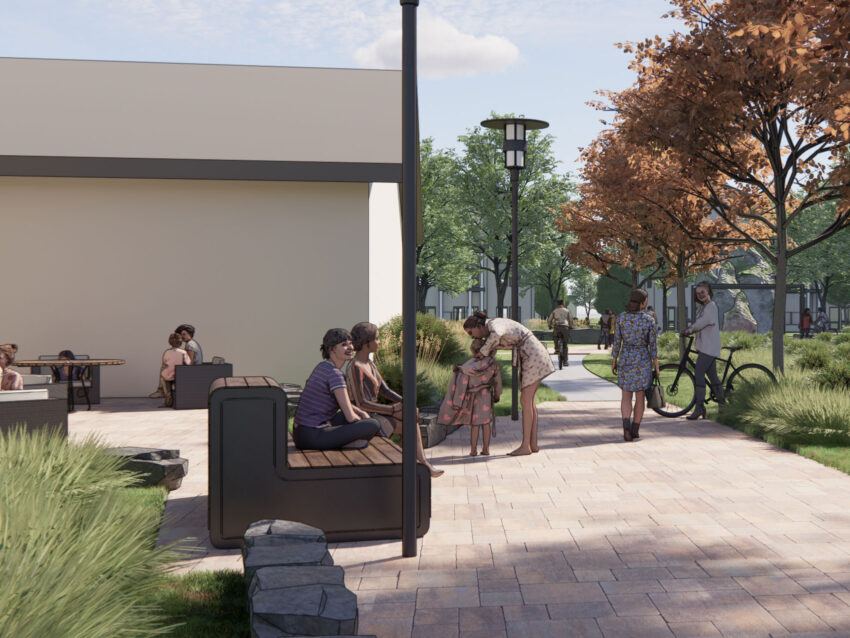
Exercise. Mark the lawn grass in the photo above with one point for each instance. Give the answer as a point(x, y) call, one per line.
point(205, 604)
point(837, 456)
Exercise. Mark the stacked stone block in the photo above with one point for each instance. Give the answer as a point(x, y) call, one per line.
point(294, 589)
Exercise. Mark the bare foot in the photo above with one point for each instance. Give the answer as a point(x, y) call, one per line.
point(435, 473)
point(535, 449)
point(485, 452)
point(473, 453)
point(520, 451)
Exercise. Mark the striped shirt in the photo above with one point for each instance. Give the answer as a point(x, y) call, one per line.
point(318, 404)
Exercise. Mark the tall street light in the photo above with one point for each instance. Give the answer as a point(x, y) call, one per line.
point(408, 307)
point(515, 129)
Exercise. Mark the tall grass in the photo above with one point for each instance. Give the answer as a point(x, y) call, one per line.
point(792, 412)
point(77, 558)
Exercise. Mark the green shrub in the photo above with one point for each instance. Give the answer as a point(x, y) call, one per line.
point(536, 324)
point(836, 375)
point(435, 340)
point(668, 346)
point(745, 340)
point(78, 558)
point(842, 337)
point(825, 337)
point(813, 355)
point(792, 412)
point(427, 392)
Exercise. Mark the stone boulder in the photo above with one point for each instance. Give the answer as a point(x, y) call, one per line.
point(155, 466)
point(739, 316)
point(268, 533)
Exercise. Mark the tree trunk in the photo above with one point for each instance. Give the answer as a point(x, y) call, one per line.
point(779, 301)
point(424, 285)
point(681, 319)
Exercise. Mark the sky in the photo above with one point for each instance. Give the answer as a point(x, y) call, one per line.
point(540, 58)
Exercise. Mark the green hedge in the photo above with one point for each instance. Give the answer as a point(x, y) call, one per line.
point(77, 556)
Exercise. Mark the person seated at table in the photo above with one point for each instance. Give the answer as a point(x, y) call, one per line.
point(366, 386)
point(325, 418)
point(174, 356)
point(60, 373)
point(187, 335)
point(186, 332)
point(9, 379)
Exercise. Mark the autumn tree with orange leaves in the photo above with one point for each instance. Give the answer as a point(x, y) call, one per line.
point(626, 195)
point(755, 100)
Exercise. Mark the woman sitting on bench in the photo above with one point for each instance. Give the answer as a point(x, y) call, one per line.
point(325, 418)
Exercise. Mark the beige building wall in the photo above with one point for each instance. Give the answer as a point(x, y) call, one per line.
point(385, 281)
point(108, 267)
point(195, 111)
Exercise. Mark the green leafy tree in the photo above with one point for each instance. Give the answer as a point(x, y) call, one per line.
point(583, 289)
point(484, 203)
point(825, 266)
point(613, 291)
point(443, 260)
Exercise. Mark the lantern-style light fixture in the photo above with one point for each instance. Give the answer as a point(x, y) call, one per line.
point(515, 129)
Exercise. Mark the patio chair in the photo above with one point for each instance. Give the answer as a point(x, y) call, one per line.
point(81, 386)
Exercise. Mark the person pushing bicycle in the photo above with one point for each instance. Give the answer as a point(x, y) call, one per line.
point(707, 343)
point(560, 321)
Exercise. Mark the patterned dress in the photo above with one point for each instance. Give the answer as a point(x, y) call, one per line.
point(535, 364)
point(11, 380)
point(634, 349)
point(469, 399)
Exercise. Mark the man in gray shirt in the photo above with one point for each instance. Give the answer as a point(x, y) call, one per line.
point(193, 349)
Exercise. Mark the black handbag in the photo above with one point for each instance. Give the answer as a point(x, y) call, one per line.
point(655, 394)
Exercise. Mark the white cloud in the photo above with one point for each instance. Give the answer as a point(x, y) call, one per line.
point(443, 51)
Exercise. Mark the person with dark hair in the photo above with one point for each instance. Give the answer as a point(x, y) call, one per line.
point(61, 373)
point(605, 325)
point(366, 386)
point(325, 418)
point(187, 334)
point(475, 387)
point(806, 324)
point(560, 321)
point(9, 379)
point(821, 321)
point(633, 357)
point(529, 354)
point(706, 327)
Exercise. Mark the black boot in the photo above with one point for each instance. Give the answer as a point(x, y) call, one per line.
point(635, 430)
point(627, 429)
point(718, 394)
point(698, 413)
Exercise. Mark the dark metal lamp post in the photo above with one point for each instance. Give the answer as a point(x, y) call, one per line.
point(515, 129)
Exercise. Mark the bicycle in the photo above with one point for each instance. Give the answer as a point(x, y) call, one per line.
point(561, 348)
point(678, 382)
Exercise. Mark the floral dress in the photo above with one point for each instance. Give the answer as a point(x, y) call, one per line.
point(634, 349)
point(535, 364)
point(469, 399)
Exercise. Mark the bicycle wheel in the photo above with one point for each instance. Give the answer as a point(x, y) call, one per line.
point(747, 377)
point(678, 395)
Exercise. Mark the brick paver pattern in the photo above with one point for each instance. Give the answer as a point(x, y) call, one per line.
point(694, 530)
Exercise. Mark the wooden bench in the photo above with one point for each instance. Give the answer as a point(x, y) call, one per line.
point(256, 472)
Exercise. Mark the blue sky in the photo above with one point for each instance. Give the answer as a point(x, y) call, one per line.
point(542, 58)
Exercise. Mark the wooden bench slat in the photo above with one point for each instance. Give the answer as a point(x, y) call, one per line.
point(389, 449)
point(236, 382)
point(316, 458)
point(338, 458)
point(257, 381)
point(357, 457)
point(375, 456)
point(295, 457)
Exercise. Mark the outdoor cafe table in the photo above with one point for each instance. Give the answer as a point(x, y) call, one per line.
point(34, 363)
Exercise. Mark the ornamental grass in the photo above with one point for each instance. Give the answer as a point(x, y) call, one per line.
point(77, 555)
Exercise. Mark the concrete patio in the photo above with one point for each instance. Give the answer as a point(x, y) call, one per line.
point(694, 530)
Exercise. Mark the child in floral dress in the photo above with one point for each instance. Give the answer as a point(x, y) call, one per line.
point(475, 387)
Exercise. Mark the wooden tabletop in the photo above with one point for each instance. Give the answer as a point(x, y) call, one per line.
point(31, 363)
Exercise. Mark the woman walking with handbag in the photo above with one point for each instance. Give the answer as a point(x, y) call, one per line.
point(633, 358)
point(707, 345)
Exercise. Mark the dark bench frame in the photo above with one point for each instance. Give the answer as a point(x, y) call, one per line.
point(35, 415)
point(255, 473)
point(192, 384)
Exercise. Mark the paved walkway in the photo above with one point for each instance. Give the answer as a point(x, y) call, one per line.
point(694, 530)
point(576, 383)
